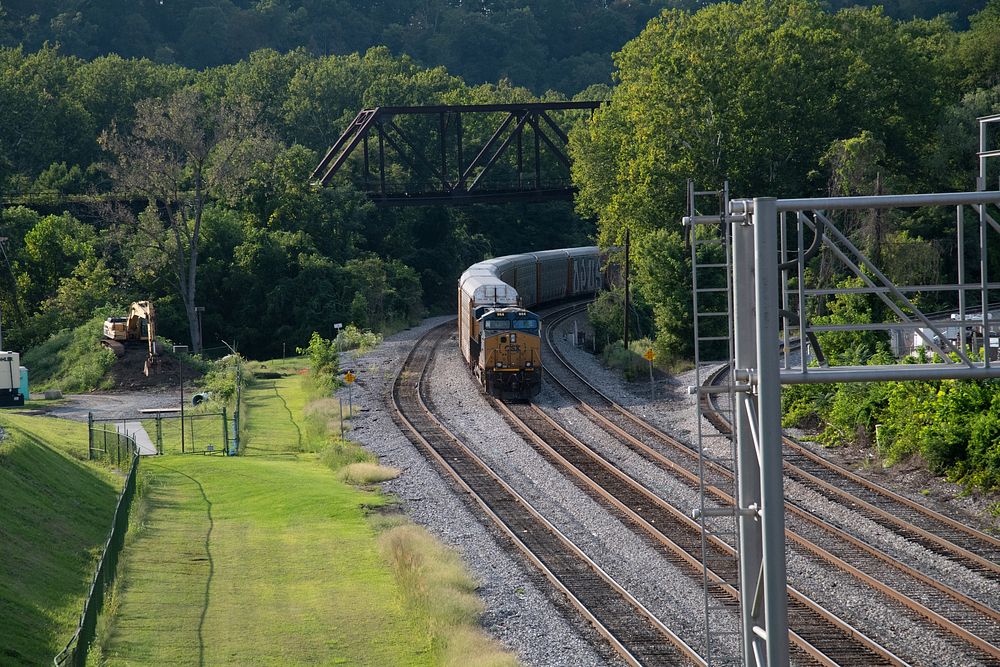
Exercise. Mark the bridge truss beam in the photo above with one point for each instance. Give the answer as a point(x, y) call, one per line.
point(528, 146)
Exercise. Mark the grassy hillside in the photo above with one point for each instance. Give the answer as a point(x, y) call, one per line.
point(269, 558)
point(55, 513)
point(72, 360)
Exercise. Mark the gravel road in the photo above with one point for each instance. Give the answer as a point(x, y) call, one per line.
point(116, 405)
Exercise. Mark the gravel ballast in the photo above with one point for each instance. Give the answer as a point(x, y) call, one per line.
point(521, 610)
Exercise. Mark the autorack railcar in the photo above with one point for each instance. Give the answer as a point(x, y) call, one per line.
point(500, 337)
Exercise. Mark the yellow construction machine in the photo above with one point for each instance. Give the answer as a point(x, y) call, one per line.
point(137, 328)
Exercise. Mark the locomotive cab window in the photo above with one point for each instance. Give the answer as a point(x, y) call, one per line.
point(496, 324)
point(528, 325)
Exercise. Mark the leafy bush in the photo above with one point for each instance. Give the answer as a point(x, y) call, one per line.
point(324, 362)
point(953, 425)
point(353, 338)
point(222, 377)
point(630, 362)
point(342, 453)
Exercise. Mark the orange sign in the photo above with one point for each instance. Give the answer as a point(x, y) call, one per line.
point(350, 377)
point(649, 354)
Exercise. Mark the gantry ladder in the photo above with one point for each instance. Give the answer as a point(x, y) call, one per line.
point(712, 309)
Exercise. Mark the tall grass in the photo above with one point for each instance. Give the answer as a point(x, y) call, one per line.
point(366, 473)
point(435, 582)
point(632, 362)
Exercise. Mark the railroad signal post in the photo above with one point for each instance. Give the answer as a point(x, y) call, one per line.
point(349, 378)
point(652, 386)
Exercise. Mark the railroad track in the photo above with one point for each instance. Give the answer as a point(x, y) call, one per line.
point(961, 544)
point(817, 637)
point(971, 622)
point(635, 633)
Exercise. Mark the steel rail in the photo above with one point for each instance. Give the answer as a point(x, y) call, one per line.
point(978, 609)
point(526, 420)
point(974, 549)
point(568, 568)
point(965, 543)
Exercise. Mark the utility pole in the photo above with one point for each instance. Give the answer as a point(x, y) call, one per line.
point(178, 350)
point(628, 267)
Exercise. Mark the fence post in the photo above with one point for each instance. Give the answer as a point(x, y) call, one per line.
point(194, 443)
point(225, 432)
point(90, 436)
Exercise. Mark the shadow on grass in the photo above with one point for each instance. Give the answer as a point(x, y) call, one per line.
point(291, 417)
point(211, 563)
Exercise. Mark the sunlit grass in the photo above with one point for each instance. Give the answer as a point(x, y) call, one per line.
point(55, 513)
point(438, 586)
point(273, 408)
point(259, 560)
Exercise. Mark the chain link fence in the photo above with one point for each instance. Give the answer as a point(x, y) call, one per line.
point(109, 444)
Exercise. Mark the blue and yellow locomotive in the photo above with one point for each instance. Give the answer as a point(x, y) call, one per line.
point(499, 336)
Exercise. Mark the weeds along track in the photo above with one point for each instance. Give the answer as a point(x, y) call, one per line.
point(631, 630)
point(974, 624)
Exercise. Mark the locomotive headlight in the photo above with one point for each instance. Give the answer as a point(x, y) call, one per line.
point(499, 364)
point(527, 364)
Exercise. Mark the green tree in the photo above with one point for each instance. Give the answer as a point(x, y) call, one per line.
point(754, 93)
point(979, 49)
point(52, 249)
point(181, 150)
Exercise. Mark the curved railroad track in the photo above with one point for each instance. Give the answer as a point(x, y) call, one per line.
point(936, 532)
point(972, 623)
point(634, 632)
point(817, 637)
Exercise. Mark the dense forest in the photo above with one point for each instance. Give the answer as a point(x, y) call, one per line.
point(225, 156)
point(563, 45)
point(163, 149)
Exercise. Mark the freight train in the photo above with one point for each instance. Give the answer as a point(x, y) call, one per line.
point(498, 333)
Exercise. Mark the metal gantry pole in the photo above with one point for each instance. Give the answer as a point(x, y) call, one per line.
point(960, 225)
point(748, 468)
point(768, 386)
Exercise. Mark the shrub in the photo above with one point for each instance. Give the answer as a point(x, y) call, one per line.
point(342, 453)
point(353, 338)
point(72, 359)
point(324, 363)
point(223, 375)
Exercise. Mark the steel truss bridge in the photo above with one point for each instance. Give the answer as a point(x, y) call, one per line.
point(420, 155)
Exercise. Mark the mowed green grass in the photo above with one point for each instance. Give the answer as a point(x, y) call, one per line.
point(258, 560)
point(55, 513)
point(264, 559)
point(274, 408)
